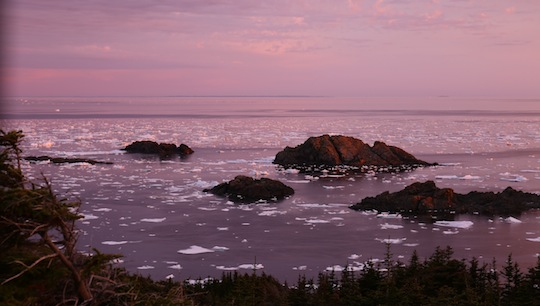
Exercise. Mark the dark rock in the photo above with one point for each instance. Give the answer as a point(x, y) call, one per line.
point(62, 160)
point(162, 149)
point(427, 198)
point(184, 150)
point(247, 189)
point(330, 151)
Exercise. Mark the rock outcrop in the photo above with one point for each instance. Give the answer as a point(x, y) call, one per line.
point(65, 160)
point(161, 149)
point(330, 151)
point(427, 199)
point(246, 189)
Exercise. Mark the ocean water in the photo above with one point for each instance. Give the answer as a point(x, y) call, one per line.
point(154, 211)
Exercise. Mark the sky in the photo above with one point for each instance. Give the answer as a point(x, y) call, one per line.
point(488, 48)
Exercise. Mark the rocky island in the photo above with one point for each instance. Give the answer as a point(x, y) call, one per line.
point(427, 199)
point(65, 160)
point(244, 189)
point(343, 151)
point(161, 149)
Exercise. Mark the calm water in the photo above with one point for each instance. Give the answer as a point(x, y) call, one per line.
point(154, 211)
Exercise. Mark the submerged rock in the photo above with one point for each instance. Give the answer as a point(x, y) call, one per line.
point(63, 160)
point(427, 199)
point(247, 189)
point(331, 151)
point(162, 149)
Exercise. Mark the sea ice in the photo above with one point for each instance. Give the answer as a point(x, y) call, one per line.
point(456, 224)
point(338, 268)
point(512, 220)
point(534, 239)
point(390, 226)
point(194, 250)
point(89, 216)
point(391, 241)
point(388, 215)
point(319, 221)
point(154, 220)
point(114, 242)
point(354, 256)
point(271, 213)
point(102, 209)
point(220, 248)
point(146, 267)
point(176, 267)
point(300, 268)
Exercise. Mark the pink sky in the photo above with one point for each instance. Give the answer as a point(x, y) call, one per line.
point(279, 47)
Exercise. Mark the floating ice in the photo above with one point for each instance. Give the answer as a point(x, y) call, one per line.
point(354, 256)
point(300, 268)
point(222, 228)
point(175, 267)
point(338, 268)
point(220, 248)
point(154, 220)
point(298, 181)
point(243, 266)
point(170, 276)
point(512, 220)
point(200, 281)
point(207, 208)
point(145, 267)
point(271, 213)
point(89, 217)
point(456, 224)
point(114, 242)
point(391, 241)
point(102, 209)
point(390, 226)
point(456, 177)
point(388, 215)
point(318, 221)
point(450, 232)
point(333, 187)
point(251, 266)
point(194, 250)
point(534, 239)
point(411, 244)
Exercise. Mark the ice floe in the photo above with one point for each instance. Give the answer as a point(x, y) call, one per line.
point(391, 240)
point(390, 226)
point(455, 224)
point(350, 268)
point(457, 177)
point(114, 242)
point(388, 215)
point(146, 267)
point(242, 266)
point(153, 220)
point(537, 239)
point(271, 213)
point(512, 220)
point(195, 250)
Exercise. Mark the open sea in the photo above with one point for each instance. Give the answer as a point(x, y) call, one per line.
point(155, 213)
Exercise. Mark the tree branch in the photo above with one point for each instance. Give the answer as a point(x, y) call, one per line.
point(28, 267)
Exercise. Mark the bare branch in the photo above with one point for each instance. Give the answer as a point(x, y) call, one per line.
point(28, 267)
